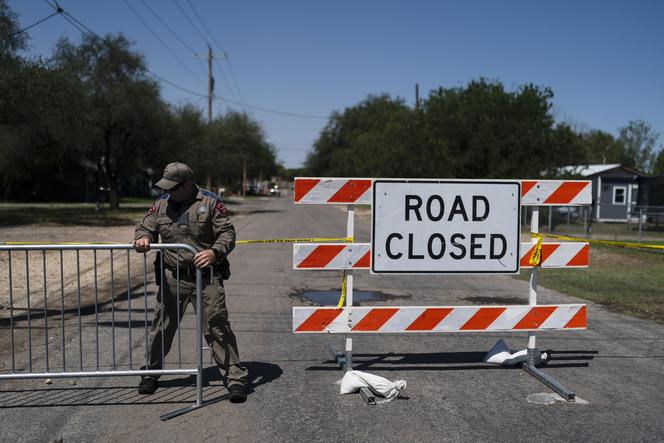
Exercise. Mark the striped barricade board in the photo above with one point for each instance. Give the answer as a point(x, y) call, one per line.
point(331, 256)
point(339, 256)
point(358, 191)
point(438, 319)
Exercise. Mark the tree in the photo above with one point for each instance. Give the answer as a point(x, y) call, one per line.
point(658, 167)
point(41, 130)
point(639, 140)
point(11, 41)
point(240, 149)
point(40, 119)
point(374, 138)
point(484, 131)
point(126, 110)
point(601, 147)
point(220, 151)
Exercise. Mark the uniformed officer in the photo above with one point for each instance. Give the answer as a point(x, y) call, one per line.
point(187, 214)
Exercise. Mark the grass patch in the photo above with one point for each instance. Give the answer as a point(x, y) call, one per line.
point(12, 214)
point(650, 233)
point(624, 280)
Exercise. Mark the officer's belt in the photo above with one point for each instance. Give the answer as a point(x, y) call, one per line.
point(190, 273)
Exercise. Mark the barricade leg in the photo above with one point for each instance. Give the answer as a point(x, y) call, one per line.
point(534, 355)
point(345, 361)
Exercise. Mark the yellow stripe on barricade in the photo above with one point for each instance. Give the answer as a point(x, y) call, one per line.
point(606, 242)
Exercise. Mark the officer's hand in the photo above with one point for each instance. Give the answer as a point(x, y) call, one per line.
point(142, 244)
point(204, 258)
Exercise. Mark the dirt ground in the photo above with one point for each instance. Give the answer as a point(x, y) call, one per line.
point(51, 261)
point(59, 285)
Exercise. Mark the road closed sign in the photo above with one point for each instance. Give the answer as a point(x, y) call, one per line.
point(445, 227)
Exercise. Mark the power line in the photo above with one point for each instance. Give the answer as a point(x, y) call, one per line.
point(85, 30)
point(21, 31)
point(207, 31)
point(272, 111)
point(223, 77)
point(243, 103)
point(189, 20)
point(220, 47)
point(237, 86)
point(162, 42)
point(205, 40)
point(173, 33)
point(281, 148)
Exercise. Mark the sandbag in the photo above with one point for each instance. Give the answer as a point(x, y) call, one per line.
point(500, 354)
point(380, 386)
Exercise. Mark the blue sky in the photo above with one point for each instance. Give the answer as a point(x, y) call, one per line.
point(604, 60)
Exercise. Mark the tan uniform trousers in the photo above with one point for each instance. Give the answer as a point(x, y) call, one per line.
point(216, 327)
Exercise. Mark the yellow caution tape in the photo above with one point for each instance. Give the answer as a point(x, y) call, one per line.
point(296, 240)
point(244, 242)
point(343, 293)
point(536, 256)
point(607, 242)
point(28, 243)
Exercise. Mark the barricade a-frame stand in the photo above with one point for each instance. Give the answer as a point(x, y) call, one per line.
point(534, 354)
point(345, 361)
point(351, 256)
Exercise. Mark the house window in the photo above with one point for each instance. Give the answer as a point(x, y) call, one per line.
point(619, 195)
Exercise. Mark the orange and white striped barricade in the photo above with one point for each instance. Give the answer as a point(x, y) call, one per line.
point(392, 319)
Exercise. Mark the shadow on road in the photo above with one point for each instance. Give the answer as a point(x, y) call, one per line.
point(175, 390)
point(87, 307)
point(449, 361)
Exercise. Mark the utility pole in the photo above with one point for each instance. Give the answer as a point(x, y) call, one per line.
point(210, 56)
point(417, 96)
point(210, 85)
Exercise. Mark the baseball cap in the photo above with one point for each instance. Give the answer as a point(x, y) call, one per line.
point(174, 174)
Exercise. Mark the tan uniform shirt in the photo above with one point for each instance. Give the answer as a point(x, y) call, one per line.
point(202, 222)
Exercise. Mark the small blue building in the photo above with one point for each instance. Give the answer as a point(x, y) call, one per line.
point(615, 189)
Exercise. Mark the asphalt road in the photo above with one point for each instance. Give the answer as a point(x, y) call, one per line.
point(616, 366)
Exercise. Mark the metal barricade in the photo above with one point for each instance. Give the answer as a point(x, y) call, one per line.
point(54, 295)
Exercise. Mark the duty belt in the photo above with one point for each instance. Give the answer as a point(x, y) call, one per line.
point(190, 273)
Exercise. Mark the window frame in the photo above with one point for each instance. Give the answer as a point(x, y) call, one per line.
point(624, 189)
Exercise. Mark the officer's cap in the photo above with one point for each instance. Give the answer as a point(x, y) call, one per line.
point(174, 174)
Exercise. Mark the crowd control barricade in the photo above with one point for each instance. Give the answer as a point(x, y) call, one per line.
point(74, 310)
point(348, 257)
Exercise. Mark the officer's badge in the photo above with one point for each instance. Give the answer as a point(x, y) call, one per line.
point(202, 210)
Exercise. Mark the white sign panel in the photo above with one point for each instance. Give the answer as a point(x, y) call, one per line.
point(445, 227)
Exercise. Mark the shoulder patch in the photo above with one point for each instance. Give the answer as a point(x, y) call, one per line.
point(152, 209)
point(210, 194)
point(220, 208)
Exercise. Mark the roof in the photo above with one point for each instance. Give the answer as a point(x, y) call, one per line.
point(589, 170)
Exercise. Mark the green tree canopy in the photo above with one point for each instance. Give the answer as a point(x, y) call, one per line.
point(601, 147)
point(478, 131)
point(125, 113)
point(639, 141)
